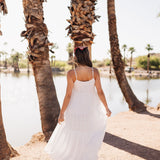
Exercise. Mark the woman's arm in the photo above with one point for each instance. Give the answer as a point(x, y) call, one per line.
point(100, 91)
point(67, 96)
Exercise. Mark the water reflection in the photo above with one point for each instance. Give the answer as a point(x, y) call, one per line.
point(20, 103)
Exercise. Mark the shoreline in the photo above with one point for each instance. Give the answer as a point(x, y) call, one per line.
point(104, 71)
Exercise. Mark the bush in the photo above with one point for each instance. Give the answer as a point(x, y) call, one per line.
point(23, 63)
point(154, 62)
point(141, 62)
point(61, 64)
point(103, 63)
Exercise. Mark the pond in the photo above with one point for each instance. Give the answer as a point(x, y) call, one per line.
point(20, 107)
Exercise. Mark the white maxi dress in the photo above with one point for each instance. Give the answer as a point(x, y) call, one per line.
point(80, 135)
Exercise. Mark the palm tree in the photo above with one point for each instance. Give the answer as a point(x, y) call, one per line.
point(53, 46)
point(1, 53)
point(5, 149)
point(148, 48)
point(82, 18)
point(131, 50)
point(124, 47)
point(37, 36)
point(133, 103)
point(70, 48)
point(5, 61)
point(15, 56)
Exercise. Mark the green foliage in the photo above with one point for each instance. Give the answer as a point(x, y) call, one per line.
point(131, 50)
point(70, 47)
point(61, 64)
point(154, 62)
point(23, 63)
point(103, 63)
point(141, 62)
point(149, 47)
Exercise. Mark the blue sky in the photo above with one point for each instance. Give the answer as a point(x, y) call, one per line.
point(137, 25)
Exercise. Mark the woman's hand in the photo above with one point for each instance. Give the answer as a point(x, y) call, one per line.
point(108, 112)
point(60, 118)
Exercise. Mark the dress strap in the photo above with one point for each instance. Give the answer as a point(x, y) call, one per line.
point(92, 72)
point(75, 73)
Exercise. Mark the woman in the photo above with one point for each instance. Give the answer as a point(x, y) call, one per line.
point(82, 120)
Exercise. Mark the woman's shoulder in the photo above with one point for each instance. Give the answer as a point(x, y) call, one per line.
point(70, 73)
point(95, 70)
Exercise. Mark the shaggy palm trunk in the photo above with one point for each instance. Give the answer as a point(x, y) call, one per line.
point(37, 36)
point(131, 99)
point(82, 18)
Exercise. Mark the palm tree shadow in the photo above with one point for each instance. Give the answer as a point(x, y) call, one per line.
point(131, 147)
point(150, 114)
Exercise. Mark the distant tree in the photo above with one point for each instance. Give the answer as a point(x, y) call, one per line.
point(124, 47)
point(1, 53)
point(54, 46)
point(131, 50)
point(15, 56)
point(70, 48)
point(148, 48)
point(5, 60)
point(110, 66)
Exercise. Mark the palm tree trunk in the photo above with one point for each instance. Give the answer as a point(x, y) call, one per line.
point(6, 151)
point(131, 99)
point(37, 36)
point(148, 62)
point(130, 63)
point(4, 148)
point(110, 67)
point(124, 59)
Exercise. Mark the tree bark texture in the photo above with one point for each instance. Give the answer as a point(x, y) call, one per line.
point(38, 53)
point(82, 18)
point(6, 151)
point(4, 148)
point(131, 99)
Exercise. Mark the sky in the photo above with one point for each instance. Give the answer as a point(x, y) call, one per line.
point(137, 26)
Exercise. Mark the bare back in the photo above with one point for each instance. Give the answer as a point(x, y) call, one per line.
point(84, 73)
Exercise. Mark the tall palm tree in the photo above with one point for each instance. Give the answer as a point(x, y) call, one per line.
point(82, 18)
point(124, 47)
point(6, 151)
point(38, 53)
point(148, 48)
point(133, 103)
point(131, 50)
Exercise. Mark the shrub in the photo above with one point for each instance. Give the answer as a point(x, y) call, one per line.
point(141, 62)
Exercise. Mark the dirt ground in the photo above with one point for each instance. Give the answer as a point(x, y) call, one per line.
point(129, 136)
